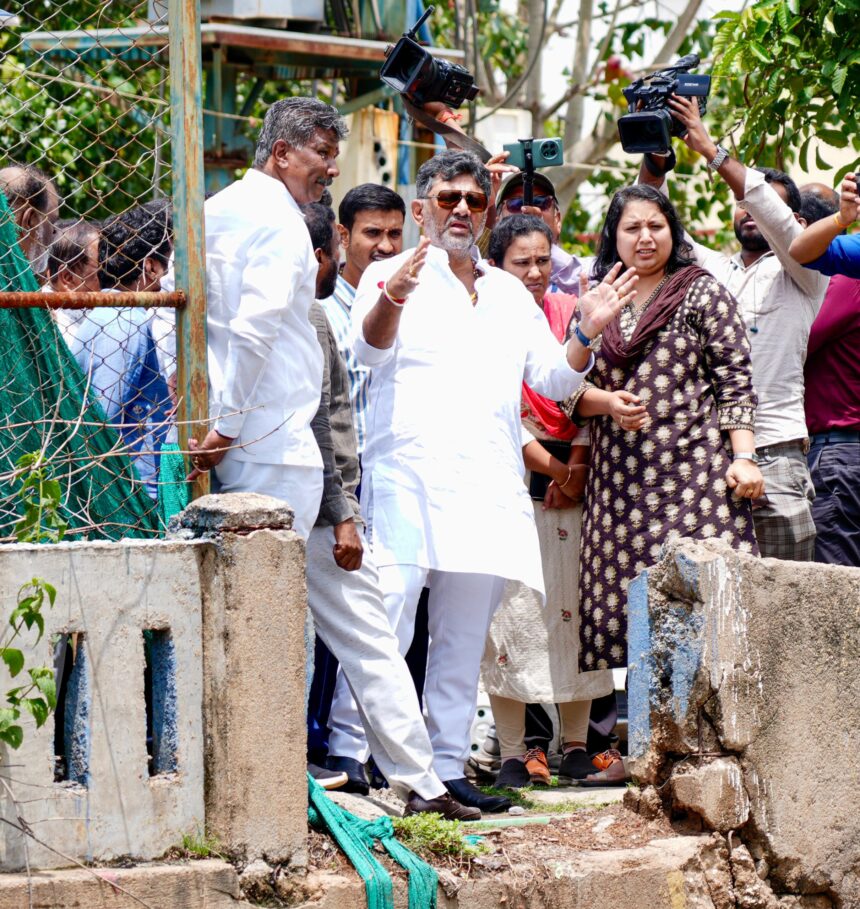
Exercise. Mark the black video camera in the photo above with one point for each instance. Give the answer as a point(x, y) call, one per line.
point(649, 126)
point(412, 71)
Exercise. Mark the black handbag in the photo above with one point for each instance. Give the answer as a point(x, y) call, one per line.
point(539, 482)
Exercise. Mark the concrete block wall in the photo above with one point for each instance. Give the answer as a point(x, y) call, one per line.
point(110, 599)
point(211, 623)
point(744, 697)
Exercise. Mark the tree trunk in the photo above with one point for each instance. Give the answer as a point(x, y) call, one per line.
point(576, 106)
point(533, 83)
point(591, 149)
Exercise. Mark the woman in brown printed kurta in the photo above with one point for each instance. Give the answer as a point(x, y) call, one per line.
point(665, 464)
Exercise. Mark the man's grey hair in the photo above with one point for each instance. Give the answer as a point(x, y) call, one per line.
point(295, 120)
point(447, 166)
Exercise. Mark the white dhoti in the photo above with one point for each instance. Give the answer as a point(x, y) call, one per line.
point(460, 609)
point(350, 617)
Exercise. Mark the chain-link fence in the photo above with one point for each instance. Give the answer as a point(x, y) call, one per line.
point(88, 385)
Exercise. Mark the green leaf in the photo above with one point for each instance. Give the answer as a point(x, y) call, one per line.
point(726, 14)
point(8, 715)
point(43, 679)
point(820, 163)
point(12, 736)
point(804, 151)
point(13, 658)
point(759, 51)
point(843, 172)
point(38, 708)
point(833, 137)
point(838, 81)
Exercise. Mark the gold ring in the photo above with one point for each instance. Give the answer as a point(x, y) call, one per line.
point(412, 271)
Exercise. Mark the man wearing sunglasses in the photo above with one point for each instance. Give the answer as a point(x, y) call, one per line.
point(450, 340)
point(566, 268)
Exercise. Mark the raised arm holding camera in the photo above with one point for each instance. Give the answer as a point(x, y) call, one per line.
point(779, 300)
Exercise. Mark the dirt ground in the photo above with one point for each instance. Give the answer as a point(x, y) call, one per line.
point(522, 850)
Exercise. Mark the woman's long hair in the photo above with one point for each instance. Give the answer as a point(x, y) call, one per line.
point(607, 252)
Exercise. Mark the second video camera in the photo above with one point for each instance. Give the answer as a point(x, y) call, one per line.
point(650, 125)
point(414, 72)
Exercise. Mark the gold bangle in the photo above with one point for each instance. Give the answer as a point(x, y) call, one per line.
point(838, 221)
point(569, 476)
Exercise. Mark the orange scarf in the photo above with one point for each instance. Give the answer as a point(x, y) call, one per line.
point(558, 309)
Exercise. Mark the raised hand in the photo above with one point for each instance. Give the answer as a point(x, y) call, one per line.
point(849, 201)
point(405, 279)
point(697, 138)
point(600, 305)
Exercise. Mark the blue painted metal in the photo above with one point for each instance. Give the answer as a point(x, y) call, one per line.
point(165, 729)
point(77, 726)
point(640, 667)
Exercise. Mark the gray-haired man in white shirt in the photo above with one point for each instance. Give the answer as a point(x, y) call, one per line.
point(779, 300)
point(265, 365)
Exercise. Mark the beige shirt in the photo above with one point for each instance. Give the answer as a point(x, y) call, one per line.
point(779, 300)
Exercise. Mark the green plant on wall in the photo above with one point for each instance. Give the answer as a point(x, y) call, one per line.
point(41, 523)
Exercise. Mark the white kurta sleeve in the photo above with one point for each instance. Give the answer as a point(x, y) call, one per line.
point(276, 266)
point(547, 370)
point(366, 297)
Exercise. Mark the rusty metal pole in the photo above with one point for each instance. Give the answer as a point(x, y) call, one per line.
point(186, 125)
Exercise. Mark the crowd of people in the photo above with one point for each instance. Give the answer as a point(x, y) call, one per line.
point(485, 430)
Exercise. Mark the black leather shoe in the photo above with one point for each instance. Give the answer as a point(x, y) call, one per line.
point(467, 794)
point(448, 807)
point(356, 774)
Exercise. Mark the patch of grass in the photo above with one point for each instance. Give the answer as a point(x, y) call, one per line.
point(430, 834)
point(521, 797)
point(197, 845)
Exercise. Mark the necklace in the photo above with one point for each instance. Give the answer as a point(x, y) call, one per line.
point(473, 297)
point(638, 310)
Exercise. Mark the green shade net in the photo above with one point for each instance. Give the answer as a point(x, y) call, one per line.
point(45, 407)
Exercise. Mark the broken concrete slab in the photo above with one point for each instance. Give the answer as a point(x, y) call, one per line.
point(714, 789)
point(585, 797)
point(664, 874)
point(363, 806)
point(207, 884)
point(756, 660)
point(235, 512)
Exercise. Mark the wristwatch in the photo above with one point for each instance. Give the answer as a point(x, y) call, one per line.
point(583, 338)
point(716, 162)
point(745, 456)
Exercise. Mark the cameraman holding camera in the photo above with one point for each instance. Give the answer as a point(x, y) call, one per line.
point(779, 300)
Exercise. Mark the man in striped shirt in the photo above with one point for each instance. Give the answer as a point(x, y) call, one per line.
point(371, 229)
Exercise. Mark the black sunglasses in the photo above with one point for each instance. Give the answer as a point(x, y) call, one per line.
point(450, 199)
point(515, 206)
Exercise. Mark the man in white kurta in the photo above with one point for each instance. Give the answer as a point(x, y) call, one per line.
point(265, 364)
point(442, 488)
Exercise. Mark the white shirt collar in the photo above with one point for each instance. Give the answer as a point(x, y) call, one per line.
point(263, 182)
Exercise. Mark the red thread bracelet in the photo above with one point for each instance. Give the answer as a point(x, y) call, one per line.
point(383, 286)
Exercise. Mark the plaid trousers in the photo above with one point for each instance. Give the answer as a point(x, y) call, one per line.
point(784, 525)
